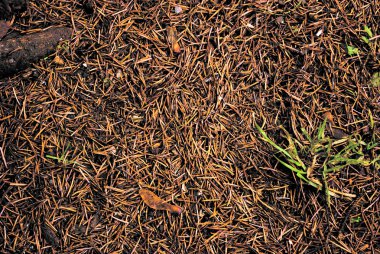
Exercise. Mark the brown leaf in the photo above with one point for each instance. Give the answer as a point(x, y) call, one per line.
point(329, 117)
point(58, 60)
point(155, 202)
point(176, 47)
point(172, 39)
point(4, 27)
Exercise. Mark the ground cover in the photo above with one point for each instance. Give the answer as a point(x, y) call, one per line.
point(257, 121)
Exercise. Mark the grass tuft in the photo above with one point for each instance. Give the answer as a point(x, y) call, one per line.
point(323, 154)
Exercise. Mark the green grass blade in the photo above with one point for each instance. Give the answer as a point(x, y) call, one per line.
point(292, 168)
point(304, 132)
point(267, 139)
point(321, 130)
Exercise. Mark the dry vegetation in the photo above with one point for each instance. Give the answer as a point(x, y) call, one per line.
point(144, 97)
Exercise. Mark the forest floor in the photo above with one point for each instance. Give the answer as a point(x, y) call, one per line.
point(260, 120)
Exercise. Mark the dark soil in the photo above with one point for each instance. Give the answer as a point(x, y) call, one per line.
point(116, 109)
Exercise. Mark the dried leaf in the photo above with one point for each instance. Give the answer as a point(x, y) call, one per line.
point(176, 47)
point(155, 202)
point(171, 34)
point(172, 39)
point(58, 60)
point(329, 117)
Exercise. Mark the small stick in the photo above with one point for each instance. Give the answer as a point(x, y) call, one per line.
point(3, 157)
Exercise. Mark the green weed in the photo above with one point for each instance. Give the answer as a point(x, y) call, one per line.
point(369, 34)
point(321, 156)
point(351, 50)
point(64, 45)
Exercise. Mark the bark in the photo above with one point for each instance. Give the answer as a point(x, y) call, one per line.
point(19, 53)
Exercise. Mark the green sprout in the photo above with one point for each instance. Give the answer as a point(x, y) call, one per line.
point(356, 219)
point(369, 33)
point(351, 50)
point(63, 158)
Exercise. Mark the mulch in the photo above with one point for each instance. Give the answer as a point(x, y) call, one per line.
point(147, 95)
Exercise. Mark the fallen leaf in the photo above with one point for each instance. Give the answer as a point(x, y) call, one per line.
point(172, 39)
point(155, 202)
point(171, 34)
point(58, 60)
point(329, 117)
point(4, 27)
point(176, 48)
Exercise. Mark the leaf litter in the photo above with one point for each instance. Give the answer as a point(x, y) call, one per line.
point(155, 202)
point(137, 113)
